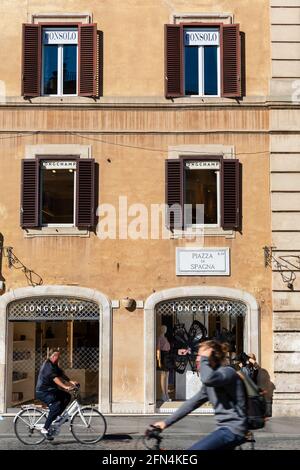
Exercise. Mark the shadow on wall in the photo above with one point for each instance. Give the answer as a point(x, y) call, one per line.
point(1, 257)
point(264, 382)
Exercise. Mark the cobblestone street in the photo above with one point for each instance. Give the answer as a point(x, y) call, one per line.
point(125, 433)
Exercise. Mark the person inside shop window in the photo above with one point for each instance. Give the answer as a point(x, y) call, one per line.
point(248, 365)
point(52, 389)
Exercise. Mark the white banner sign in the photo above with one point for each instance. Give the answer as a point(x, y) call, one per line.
point(59, 165)
point(202, 165)
point(202, 262)
point(60, 36)
point(201, 37)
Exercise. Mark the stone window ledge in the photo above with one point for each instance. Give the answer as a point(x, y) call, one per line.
point(208, 232)
point(56, 232)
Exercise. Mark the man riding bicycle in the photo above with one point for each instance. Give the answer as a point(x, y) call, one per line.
point(52, 387)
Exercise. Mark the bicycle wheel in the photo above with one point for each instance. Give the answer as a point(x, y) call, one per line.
point(27, 426)
point(88, 425)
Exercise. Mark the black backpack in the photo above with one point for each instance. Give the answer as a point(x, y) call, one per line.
point(255, 402)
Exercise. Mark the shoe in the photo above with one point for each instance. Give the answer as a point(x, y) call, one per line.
point(60, 420)
point(47, 434)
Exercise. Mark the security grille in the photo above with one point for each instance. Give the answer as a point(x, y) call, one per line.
point(53, 308)
point(208, 306)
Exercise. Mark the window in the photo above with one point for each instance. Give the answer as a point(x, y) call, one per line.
point(59, 75)
point(58, 183)
point(202, 186)
point(58, 192)
point(62, 60)
point(213, 182)
point(202, 61)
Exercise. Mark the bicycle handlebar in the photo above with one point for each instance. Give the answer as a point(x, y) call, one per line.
point(153, 432)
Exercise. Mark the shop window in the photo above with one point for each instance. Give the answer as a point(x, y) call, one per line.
point(202, 60)
point(62, 60)
point(58, 192)
point(181, 326)
point(214, 184)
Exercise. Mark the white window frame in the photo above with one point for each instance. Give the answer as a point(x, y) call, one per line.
point(201, 67)
point(60, 59)
point(218, 224)
point(41, 201)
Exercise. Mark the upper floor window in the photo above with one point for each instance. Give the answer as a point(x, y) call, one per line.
point(60, 59)
point(212, 185)
point(202, 60)
point(202, 187)
point(58, 192)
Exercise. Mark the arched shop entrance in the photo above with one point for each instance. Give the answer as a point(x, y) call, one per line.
point(51, 316)
point(189, 313)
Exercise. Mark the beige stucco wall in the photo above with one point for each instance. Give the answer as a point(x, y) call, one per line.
point(136, 268)
point(134, 39)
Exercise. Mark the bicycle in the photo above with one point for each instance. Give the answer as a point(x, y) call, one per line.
point(87, 424)
point(152, 439)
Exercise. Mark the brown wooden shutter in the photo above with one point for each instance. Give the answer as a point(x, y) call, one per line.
point(100, 63)
point(173, 61)
point(87, 65)
point(29, 194)
point(231, 63)
point(231, 187)
point(174, 193)
point(31, 60)
point(85, 207)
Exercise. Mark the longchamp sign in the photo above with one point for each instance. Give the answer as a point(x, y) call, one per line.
point(202, 262)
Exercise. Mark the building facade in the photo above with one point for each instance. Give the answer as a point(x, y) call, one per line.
point(284, 164)
point(98, 129)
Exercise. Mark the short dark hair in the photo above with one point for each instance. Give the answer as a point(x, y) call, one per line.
point(53, 351)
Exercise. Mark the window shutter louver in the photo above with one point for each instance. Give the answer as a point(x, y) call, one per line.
point(31, 60)
point(87, 60)
point(173, 61)
point(29, 194)
point(231, 187)
point(231, 61)
point(85, 213)
point(174, 193)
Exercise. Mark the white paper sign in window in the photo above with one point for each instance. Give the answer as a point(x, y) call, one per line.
point(60, 36)
point(202, 37)
point(59, 165)
point(202, 165)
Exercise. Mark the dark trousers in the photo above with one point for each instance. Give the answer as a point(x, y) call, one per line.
point(57, 401)
point(221, 439)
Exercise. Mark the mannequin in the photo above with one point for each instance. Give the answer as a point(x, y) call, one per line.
point(162, 349)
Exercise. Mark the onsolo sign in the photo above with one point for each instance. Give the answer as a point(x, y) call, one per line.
point(60, 36)
point(196, 37)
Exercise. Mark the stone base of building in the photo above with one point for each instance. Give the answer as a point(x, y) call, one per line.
point(286, 406)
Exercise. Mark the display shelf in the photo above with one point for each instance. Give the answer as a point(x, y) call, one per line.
point(22, 341)
point(21, 360)
point(21, 380)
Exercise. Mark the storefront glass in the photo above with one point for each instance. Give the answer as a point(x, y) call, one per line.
point(181, 325)
point(35, 326)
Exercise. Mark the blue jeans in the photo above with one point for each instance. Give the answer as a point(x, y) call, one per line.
point(221, 439)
